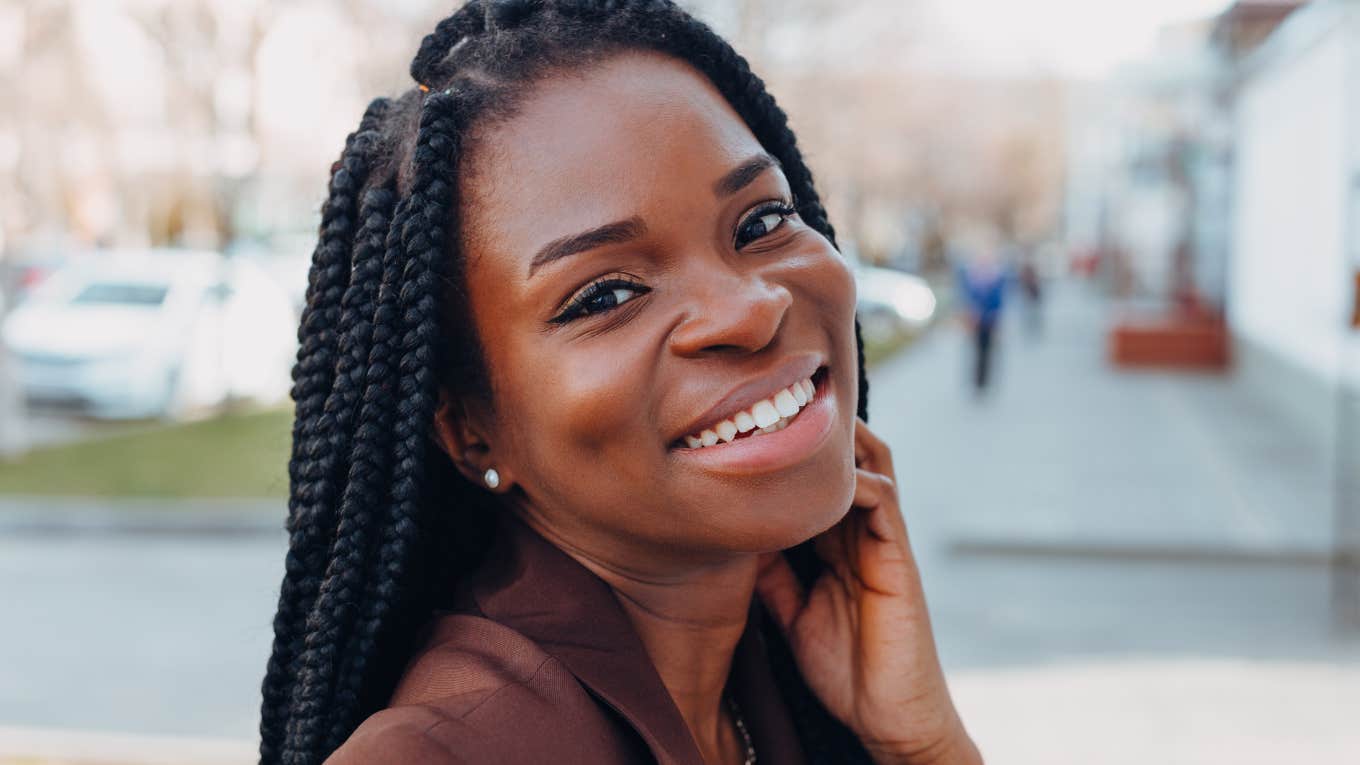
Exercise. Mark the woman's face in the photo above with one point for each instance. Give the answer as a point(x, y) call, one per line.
point(636, 277)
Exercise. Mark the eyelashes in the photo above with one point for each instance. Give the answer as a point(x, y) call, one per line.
point(763, 221)
point(601, 296)
point(606, 294)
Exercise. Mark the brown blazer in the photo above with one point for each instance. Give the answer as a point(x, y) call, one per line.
point(539, 664)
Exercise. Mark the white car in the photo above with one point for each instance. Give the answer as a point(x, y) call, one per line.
point(892, 302)
point(156, 333)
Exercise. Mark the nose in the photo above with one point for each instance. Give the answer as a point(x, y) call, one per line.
point(741, 314)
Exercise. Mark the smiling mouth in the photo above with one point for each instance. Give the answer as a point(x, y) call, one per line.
point(769, 415)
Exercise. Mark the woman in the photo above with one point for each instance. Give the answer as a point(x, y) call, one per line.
point(579, 361)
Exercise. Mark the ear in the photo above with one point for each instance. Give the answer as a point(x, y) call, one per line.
point(462, 436)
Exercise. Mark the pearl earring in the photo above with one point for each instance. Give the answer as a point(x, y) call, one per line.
point(492, 478)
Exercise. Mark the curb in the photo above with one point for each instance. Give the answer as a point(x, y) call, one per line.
point(54, 746)
point(74, 516)
point(1145, 552)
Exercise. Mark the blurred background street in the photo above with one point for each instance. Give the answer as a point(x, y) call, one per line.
point(1108, 260)
point(1091, 580)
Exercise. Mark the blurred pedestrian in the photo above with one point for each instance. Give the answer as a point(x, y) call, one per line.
point(1032, 289)
point(982, 280)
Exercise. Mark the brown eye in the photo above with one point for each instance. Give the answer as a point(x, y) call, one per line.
point(602, 296)
point(610, 298)
point(762, 222)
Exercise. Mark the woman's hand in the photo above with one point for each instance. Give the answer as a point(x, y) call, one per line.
point(861, 635)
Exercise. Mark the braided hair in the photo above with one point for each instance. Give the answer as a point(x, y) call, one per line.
point(387, 325)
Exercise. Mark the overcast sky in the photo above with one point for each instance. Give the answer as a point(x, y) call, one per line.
point(1079, 38)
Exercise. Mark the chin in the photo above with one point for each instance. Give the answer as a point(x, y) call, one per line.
point(818, 514)
point(788, 511)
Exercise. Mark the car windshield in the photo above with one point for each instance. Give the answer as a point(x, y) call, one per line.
point(121, 293)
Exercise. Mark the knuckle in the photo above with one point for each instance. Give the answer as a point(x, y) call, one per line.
point(876, 482)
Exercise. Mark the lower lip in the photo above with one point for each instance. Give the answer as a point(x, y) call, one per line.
point(772, 451)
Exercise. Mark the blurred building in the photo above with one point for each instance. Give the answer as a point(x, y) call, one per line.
point(1292, 282)
point(1218, 185)
point(1130, 201)
point(1150, 181)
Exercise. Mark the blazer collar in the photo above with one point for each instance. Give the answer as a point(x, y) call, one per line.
point(531, 586)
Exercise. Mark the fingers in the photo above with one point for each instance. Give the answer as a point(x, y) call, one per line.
point(871, 453)
point(878, 494)
point(836, 545)
point(779, 588)
point(873, 489)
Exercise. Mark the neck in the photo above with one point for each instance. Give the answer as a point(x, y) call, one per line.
point(689, 620)
point(691, 626)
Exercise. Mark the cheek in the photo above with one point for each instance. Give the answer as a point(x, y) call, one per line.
point(576, 409)
point(834, 286)
point(828, 285)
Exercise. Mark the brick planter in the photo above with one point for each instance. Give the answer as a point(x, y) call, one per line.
point(1170, 342)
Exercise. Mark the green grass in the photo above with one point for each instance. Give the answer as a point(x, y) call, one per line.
point(234, 455)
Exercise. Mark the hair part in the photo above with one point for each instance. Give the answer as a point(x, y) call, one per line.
point(387, 324)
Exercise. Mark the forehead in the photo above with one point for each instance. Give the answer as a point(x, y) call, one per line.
point(601, 144)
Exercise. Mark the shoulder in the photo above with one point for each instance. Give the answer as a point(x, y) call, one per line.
point(477, 691)
point(466, 660)
point(404, 734)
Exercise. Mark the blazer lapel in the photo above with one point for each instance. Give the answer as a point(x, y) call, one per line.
point(531, 586)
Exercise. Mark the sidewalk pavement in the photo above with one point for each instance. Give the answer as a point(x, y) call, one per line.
point(1181, 712)
point(1068, 452)
point(57, 746)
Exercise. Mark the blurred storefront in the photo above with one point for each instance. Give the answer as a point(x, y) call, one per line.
point(1215, 186)
point(1294, 281)
point(1150, 184)
point(1291, 283)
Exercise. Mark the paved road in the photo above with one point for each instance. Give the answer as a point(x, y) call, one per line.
point(137, 633)
point(1112, 560)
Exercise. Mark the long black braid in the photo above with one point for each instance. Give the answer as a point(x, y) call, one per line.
point(309, 515)
point(387, 324)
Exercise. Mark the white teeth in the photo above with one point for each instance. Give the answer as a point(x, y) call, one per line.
point(769, 416)
point(727, 430)
point(775, 428)
point(745, 422)
point(765, 414)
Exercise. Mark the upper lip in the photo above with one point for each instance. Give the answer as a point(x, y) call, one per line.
point(759, 387)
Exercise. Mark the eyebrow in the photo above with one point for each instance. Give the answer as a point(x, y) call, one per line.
point(742, 175)
point(623, 231)
point(617, 232)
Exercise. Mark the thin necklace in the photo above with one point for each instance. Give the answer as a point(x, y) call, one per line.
point(741, 728)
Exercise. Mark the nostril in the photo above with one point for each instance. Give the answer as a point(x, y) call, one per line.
point(725, 349)
point(741, 315)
